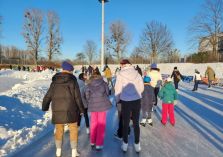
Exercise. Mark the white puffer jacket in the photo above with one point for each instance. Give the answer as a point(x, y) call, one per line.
point(156, 78)
point(129, 85)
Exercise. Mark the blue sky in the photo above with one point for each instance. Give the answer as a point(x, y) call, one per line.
point(81, 20)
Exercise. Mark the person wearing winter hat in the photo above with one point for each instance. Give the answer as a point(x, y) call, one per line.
point(128, 91)
point(211, 75)
point(168, 95)
point(176, 75)
point(148, 99)
point(197, 79)
point(66, 66)
point(156, 81)
point(66, 101)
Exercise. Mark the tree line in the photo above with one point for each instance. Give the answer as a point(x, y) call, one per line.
point(155, 44)
point(35, 36)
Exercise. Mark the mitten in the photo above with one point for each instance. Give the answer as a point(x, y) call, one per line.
point(175, 102)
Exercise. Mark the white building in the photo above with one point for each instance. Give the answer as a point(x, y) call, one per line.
point(206, 46)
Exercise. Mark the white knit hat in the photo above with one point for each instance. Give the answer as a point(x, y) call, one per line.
point(169, 79)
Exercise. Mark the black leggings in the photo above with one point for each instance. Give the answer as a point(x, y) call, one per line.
point(120, 127)
point(156, 91)
point(176, 84)
point(85, 117)
point(131, 108)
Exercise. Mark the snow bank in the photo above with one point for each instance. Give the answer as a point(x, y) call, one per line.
point(185, 68)
point(28, 76)
point(22, 120)
point(3, 133)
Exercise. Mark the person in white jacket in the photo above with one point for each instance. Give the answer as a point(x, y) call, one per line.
point(197, 79)
point(156, 81)
point(128, 91)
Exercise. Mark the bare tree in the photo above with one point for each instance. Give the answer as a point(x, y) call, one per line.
point(137, 56)
point(173, 56)
point(156, 39)
point(54, 38)
point(0, 26)
point(207, 25)
point(90, 49)
point(1, 53)
point(0, 40)
point(80, 57)
point(32, 31)
point(119, 38)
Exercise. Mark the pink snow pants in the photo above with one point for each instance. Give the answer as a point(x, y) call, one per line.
point(168, 109)
point(97, 128)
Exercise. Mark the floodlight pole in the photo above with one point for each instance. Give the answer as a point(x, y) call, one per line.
point(102, 35)
point(102, 32)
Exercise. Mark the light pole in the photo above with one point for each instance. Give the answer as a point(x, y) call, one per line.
point(102, 32)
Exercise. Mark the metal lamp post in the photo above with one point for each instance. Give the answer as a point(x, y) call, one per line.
point(102, 32)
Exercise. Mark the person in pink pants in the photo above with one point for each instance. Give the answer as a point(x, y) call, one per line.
point(168, 109)
point(98, 120)
point(97, 93)
point(169, 96)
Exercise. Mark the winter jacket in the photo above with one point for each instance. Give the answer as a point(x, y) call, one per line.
point(168, 93)
point(107, 73)
point(210, 74)
point(148, 96)
point(176, 75)
point(82, 87)
point(66, 100)
point(97, 95)
point(129, 85)
point(197, 76)
point(156, 78)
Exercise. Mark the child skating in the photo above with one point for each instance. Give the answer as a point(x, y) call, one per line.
point(168, 95)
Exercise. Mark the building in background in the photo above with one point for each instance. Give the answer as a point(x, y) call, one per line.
point(206, 46)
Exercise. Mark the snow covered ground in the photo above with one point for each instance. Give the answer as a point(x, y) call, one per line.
point(20, 108)
point(26, 131)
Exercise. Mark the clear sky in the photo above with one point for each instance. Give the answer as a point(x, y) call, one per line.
point(81, 20)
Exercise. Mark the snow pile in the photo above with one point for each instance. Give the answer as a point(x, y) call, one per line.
point(6, 72)
point(22, 120)
point(3, 133)
point(17, 138)
point(28, 76)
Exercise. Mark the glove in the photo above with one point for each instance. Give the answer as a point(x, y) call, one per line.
point(175, 102)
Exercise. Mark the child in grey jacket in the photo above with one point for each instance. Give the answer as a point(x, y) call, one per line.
point(147, 102)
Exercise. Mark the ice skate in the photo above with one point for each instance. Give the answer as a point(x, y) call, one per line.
point(124, 146)
point(137, 147)
point(58, 152)
point(75, 153)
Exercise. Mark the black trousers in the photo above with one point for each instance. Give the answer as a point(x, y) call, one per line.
point(120, 127)
point(156, 91)
point(196, 84)
point(131, 108)
point(85, 117)
point(176, 84)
